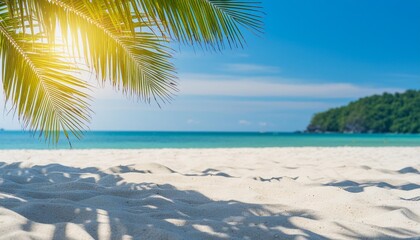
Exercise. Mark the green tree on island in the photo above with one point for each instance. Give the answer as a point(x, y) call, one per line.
point(46, 44)
point(387, 113)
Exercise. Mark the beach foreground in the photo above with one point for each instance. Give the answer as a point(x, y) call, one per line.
point(270, 193)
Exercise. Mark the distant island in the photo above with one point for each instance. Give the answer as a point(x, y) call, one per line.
point(386, 113)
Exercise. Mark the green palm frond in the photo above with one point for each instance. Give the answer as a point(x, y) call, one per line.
point(40, 84)
point(213, 23)
point(135, 62)
point(123, 41)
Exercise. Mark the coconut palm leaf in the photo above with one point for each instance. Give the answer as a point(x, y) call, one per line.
point(122, 41)
point(214, 23)
point(40, 84)
point(135, 62)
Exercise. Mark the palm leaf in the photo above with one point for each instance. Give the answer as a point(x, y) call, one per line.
point(214, 23)
point(122, 41)
point(40, 84)
point(135, 62)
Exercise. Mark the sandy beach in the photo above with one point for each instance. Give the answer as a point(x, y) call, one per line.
point(269, 193)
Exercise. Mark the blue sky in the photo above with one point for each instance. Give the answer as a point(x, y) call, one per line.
point(314, 55)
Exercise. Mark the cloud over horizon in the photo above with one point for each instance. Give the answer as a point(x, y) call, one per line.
point(251, 68)
point(219, 85)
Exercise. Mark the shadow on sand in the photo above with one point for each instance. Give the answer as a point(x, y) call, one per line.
point(355, 187)
point(88, 203)
point(95, 201)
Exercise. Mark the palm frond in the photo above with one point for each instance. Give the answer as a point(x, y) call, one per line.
point(122, 41)
point(136, 62)
point(214, 23)
point(40, 85)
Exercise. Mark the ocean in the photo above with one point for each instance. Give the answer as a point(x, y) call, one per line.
point(153, 140)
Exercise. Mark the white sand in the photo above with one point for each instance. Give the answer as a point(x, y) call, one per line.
point(273, 193)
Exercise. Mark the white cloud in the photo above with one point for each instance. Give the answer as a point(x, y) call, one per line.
point(280, 105)
point(244, 122)
point(230, 85)
point(263, 124)
point(208, 85)
point(251, 68)
point(192, 121)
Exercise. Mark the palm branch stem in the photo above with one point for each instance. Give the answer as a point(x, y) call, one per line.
point(94, 23)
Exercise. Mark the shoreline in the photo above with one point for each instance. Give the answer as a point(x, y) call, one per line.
point(210, 148)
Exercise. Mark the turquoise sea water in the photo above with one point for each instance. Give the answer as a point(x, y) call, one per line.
point(143, 140)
